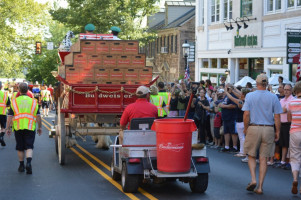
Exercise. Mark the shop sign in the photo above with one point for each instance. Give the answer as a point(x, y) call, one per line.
point(293, 47)
point(243, 41)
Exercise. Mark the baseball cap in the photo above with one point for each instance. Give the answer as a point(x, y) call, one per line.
point(262, 78)
point(142, 90)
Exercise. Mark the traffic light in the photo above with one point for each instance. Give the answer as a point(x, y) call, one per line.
point(38, 47)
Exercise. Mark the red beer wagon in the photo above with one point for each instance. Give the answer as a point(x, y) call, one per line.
point(98, 79)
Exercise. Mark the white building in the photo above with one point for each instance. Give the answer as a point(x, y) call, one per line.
point(249, 50)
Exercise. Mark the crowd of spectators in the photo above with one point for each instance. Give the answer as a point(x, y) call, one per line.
point(217, 112)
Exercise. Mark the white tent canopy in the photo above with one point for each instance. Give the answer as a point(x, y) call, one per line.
point(243, 82)
point(273, 80)
point(18, 80)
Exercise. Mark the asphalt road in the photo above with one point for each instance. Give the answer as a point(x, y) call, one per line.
point(86, 175)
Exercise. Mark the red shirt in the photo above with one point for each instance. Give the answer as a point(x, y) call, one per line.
point(51, 90)
point(218, 120)
point(140, 109)
point(28, 94)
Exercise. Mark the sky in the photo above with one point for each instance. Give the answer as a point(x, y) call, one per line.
point(62, 3)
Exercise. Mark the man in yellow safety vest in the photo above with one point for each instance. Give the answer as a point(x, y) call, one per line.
point(24, 114)
point(4, 102)
point(166, 97)
point(158, 101)
point(46, 99)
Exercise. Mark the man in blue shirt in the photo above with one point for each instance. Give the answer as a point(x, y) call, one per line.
point(262, 110)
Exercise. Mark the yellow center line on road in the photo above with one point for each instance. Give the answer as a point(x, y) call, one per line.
point(117, 185)
point(46, 126)
point(146, 194)
point(44, 120)
point(94, 158)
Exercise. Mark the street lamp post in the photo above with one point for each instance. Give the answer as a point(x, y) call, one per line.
point(186, 48)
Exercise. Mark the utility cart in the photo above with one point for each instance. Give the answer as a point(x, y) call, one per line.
point(136, 159)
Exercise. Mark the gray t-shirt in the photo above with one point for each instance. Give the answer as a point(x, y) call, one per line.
point(262, 105)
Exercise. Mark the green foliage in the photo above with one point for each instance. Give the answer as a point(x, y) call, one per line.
point(127, 14)
point(43, 64)
point(181, 77)
point(41, 67)
point(21, 24)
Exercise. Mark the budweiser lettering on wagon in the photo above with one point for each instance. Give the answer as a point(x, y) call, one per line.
point(108, 96)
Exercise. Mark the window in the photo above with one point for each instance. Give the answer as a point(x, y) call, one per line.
point(290, 3)
point(158, 45)
point(293, 3)
point(246, 8)
point(273, 5)
point(224, 63)
point(227, 10)
point(176, 44)
point(270, 5)
point(167, 45)
point(214, 63)
point(276, 61)
point(205, 63)
point(278, 4)
point(171, 44)
point(215, 8)
point(153, 48)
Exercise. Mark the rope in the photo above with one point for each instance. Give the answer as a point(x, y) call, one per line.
point(69, 88)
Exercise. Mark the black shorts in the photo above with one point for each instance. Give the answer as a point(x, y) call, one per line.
point(217, 133)
point(45, 104)
point(24, 139)
point(229, 126)
point(3, 119)
point(284, 135)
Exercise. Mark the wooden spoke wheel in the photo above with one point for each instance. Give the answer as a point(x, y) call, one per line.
point(61, 135)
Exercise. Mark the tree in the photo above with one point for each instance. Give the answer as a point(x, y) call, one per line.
point(21, 24)
point(127, 14)
point(42, 65)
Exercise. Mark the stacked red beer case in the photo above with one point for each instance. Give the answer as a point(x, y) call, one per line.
point(94, 61)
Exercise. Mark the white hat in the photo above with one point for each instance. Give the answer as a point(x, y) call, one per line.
point(262, 78)
point(142, 90)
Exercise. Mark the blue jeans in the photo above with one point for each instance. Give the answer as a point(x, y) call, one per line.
point(182, 113)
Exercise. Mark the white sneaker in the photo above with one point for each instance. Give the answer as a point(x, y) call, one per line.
point(245, 160)
point(239, 155)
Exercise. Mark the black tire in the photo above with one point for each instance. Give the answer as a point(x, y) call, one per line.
point(199, 184)
point(129, 182)
point(115, 175)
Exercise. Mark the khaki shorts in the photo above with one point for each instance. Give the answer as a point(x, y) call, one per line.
point(260, 138)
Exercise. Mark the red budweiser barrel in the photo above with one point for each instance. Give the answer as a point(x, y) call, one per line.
point(173, 144)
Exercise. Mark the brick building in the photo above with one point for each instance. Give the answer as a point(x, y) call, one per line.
point(174, 25)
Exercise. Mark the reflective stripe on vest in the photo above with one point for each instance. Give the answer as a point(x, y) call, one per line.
point(3, 102)
point(158, 101)
point(166, 97)
point(25, 116)
point(14, 95)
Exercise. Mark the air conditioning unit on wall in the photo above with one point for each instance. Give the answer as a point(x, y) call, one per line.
point(164, 50)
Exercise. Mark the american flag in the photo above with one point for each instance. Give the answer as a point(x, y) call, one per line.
point(187, 73)
point(298, 68)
